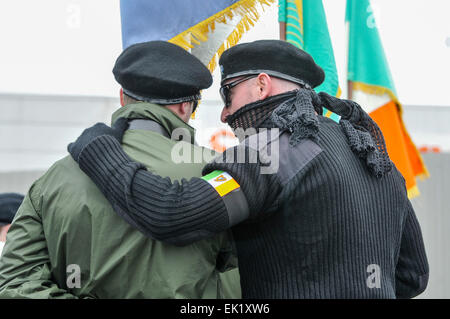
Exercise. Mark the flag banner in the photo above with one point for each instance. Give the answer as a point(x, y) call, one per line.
point(205, 27)
point(307, 29)
point(372, 87)
point(333, 116)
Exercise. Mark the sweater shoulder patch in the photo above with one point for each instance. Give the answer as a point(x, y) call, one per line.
point(279, 156)
point(294, 159)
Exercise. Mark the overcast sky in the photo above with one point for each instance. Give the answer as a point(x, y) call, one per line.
point(69, 46)
point(416, 38)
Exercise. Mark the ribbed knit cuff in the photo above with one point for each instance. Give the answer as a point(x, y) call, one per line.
point(103, 158)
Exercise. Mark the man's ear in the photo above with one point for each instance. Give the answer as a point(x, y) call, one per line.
point(186, 108)
point(122, 101)
point(264, 83)
point(183, 110)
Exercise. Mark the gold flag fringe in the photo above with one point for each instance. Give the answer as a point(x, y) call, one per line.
point(193, 36)
point(246, 9)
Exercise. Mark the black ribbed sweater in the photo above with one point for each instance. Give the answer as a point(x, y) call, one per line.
point(328, 227)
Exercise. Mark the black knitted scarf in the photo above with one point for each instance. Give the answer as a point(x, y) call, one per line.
point(254, 114)
point(296, 111)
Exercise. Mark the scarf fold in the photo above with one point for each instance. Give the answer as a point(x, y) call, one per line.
point(254, 114)
point(296, 111)
point(363, 134)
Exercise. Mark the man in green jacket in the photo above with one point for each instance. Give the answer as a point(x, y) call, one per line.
point(66, 241)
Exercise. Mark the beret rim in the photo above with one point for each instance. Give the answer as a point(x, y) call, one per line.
point(269, 72)
point(162, 100)
point(290, 62)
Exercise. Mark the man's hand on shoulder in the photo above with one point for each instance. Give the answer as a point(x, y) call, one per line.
point(100, 129)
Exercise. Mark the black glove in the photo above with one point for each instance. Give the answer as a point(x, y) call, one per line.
point(117, 130)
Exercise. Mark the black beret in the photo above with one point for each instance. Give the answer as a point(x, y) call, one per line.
point(274, 57)
point(161, 72)
point(9, 204)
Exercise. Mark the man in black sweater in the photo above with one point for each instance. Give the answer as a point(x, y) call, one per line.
point(316, 207)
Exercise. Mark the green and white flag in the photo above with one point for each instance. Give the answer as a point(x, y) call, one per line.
point(372, 87)
point(307, 29)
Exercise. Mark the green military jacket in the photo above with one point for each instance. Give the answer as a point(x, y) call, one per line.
point(66, 225)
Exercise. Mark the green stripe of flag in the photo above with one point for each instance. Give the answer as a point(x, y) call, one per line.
point(332, 116)
point(367, 62)
point(315, 38)
point(212, 175)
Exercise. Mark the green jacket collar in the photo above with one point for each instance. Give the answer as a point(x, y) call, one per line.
point(157, 113)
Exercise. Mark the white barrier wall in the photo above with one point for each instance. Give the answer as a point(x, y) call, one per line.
point(35, 130)
point(432, 208)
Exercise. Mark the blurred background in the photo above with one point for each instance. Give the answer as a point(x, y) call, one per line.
point(56, 59)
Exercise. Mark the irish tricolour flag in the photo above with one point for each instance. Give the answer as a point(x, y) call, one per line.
point(371, 86)
point(222, 182)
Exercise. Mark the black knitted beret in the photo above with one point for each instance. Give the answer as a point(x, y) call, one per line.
point(9, 204)
point(161, 72)
point(274, 57)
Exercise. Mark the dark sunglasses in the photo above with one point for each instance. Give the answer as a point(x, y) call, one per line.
point(226, 89)
point(195, 106)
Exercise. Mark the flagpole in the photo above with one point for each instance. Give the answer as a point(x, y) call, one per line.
point(347, 38)
point(283, 31)
point(349, 82)
point(349, 90)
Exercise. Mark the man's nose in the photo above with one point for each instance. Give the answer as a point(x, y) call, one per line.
point(224, 114)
